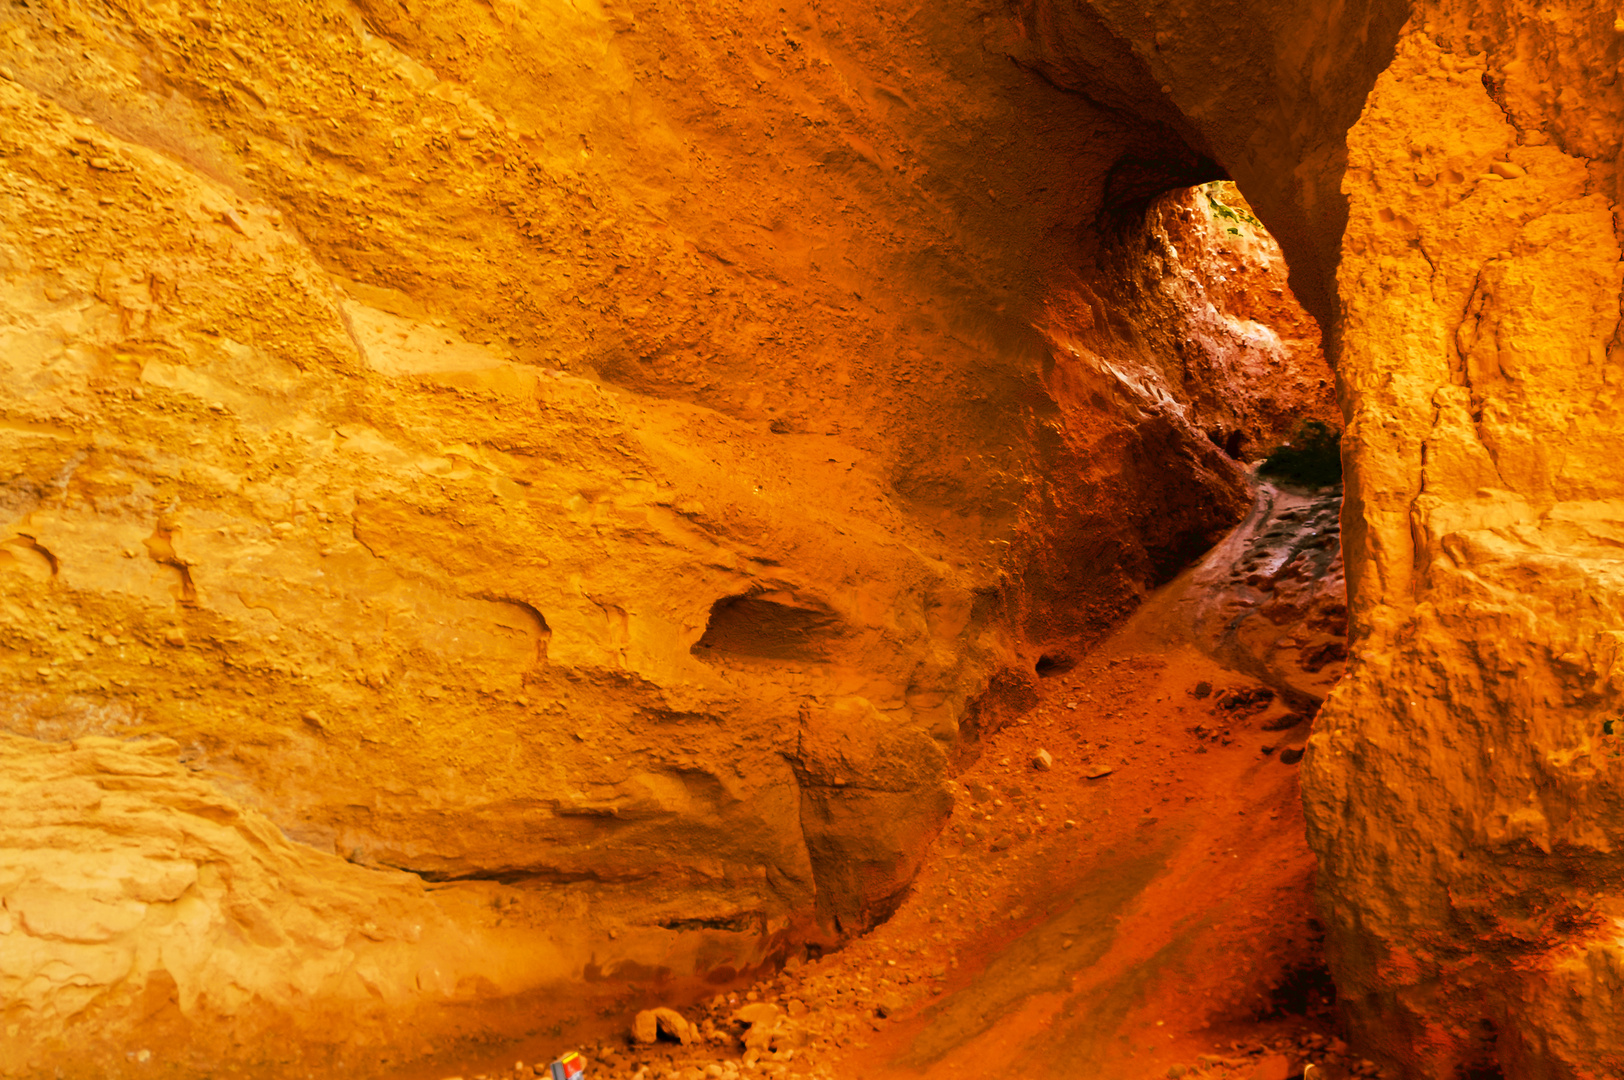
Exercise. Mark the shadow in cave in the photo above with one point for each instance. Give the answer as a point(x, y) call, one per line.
point(1167, 922)
point(1123, 885)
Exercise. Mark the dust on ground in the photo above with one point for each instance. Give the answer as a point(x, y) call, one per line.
point(1123, 889)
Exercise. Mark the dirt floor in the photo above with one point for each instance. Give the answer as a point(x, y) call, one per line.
point(1123, 890)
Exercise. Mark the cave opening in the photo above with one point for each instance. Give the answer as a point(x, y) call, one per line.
point(932, 490)
point(1209, 293)
point(1216, 679)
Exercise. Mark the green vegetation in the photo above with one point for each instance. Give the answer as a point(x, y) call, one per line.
point(1313, 457)
point(1225, 203)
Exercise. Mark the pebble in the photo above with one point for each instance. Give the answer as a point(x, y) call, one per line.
point(889, 1004)
point(1209, 1060)
point(1273, 1067)
point(1285, 723)
point(1103, 770)
point(1042, 760)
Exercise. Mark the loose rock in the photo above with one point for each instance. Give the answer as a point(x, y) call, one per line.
point(649, 1023)
point(1273, 1067)
point(1284, 723)
point(889, 1004)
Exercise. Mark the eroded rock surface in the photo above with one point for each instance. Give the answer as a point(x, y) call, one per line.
point(613, 460)
point(624, 455)
point(138, 898)
point(1273, 597)
point(1463, 781)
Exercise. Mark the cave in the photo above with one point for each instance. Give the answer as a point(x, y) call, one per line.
point(795, 539)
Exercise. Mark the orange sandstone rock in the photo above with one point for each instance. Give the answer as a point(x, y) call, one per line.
point(585, 472)
point(1461, 782)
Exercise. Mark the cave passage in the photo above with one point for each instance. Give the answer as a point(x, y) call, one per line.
point(1123, 883)
point(820, 517)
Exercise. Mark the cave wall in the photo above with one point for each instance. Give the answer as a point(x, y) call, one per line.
point(1208, 288)
point(1463, 783)
point(1264, 88)
point(1445, 178)
point(584, 472)
point(574, 473)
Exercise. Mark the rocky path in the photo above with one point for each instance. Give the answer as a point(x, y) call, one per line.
point(1123, 889)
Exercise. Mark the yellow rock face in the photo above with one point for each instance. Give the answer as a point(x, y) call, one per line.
point(139, 899)
point(554, 486)
point(570, 478)
point(1462, 781)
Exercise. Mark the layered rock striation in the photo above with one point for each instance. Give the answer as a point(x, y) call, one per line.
point(580, 475)
point(586, 473)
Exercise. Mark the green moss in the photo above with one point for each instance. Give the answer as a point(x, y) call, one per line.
point(1313, 457)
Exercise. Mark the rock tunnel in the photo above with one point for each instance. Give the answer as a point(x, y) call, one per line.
point(520, 512)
